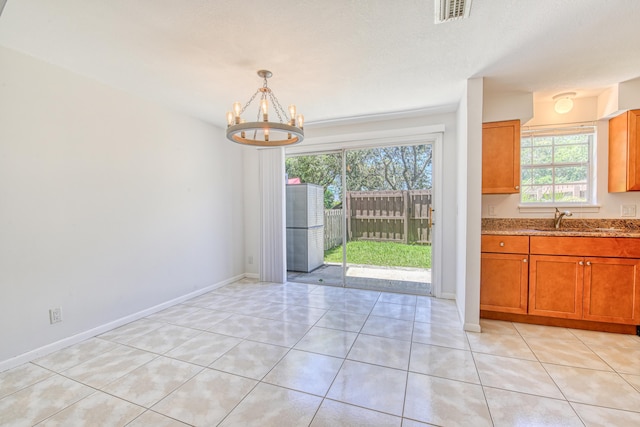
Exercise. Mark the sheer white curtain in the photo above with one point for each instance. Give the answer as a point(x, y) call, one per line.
point(273, 249)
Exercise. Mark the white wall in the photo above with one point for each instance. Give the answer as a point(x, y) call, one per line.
point(502, 106)
point(109, 205)
point(326, 135)
point(461, 205)
point(619, 98)
point(469, 170)
point(585, 110)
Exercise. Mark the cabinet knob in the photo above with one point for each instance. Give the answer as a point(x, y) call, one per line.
point(580, 263)
point(524, 260)
point(517, 187)
point(588, 262)
point(501, 244)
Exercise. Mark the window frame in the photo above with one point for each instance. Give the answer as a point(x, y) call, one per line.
point(554, 132)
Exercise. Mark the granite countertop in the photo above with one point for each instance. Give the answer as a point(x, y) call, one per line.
point(569, 228)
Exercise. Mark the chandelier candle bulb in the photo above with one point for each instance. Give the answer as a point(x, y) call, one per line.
point(264, 106)
point(266, 135)
point(292, 114)
point(230, 118)
point(237, 108)
point(300, 121)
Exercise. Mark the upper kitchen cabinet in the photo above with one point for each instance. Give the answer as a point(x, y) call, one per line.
point(501, 157)
point(624, 152)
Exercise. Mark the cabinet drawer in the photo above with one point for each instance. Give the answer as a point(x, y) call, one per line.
point(615, 247)
point(505, 244)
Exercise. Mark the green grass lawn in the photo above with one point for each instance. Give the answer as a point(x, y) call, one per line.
point(382, 253)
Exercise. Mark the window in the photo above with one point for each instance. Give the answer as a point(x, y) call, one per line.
point(556, 165)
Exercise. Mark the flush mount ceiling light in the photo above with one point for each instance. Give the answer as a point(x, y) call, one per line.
point(262, 132)
point(564, 102)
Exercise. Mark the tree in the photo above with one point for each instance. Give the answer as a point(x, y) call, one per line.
point(371, 169)
point(389, 168)
point(405, 168)
point(322, 169)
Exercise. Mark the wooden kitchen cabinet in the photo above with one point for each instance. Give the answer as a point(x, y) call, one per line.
point(588, 278)
point(501, 157)
point(577, 282)
point(504, 273)
point(624, 152)
point(555, 286)
point(611, 291)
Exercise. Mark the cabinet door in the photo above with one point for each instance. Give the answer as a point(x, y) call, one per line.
point(633, 178)
point(555, 286)
point(504, 282)
point(611, 290)
point(501, 157)
point(624, 152)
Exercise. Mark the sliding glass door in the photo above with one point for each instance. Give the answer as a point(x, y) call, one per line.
point(388, 208)
point(314, 218)
point(379, 201)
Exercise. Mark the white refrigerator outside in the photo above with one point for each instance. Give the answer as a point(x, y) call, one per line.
point(305, 227)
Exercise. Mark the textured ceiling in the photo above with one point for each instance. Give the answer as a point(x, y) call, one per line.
point(333, 58)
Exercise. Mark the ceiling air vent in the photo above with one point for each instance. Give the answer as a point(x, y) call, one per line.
point(450, 10)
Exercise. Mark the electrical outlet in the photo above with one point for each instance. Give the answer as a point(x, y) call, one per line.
point(628, 210)
point(55, 315)
point(492, 210)
point(250, 259)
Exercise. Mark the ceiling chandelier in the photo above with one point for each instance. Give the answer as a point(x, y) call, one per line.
point(262, 132)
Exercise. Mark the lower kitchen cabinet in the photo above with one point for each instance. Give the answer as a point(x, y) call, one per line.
point(504, 282)
point(585, 282)
point(597, 289)
point(504, 273)
point(611, 291)
point(556, 286)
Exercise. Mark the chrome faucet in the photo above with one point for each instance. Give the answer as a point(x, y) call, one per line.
point(557, 218)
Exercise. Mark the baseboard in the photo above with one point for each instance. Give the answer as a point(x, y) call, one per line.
point(447, 295)
point(472, 327)
point(251, 276)
point(75, 339)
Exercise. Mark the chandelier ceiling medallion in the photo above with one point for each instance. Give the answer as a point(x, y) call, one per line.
point(262, 132)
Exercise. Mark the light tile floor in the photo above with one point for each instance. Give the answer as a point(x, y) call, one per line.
point(305, 355)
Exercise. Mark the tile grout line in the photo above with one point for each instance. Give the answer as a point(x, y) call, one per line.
point(344, 359)
point(482, 386)
point(406, 382)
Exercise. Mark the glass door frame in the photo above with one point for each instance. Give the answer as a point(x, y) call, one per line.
point(435, 140)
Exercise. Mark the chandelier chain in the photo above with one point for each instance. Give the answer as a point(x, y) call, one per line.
point(277, 106)
point(249, 101)
point(255, 132)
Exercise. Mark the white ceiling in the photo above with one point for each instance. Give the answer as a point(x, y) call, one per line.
point(333, 58)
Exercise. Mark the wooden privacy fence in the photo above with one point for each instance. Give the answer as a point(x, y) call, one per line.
point(332, 228)
point(395, 216)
